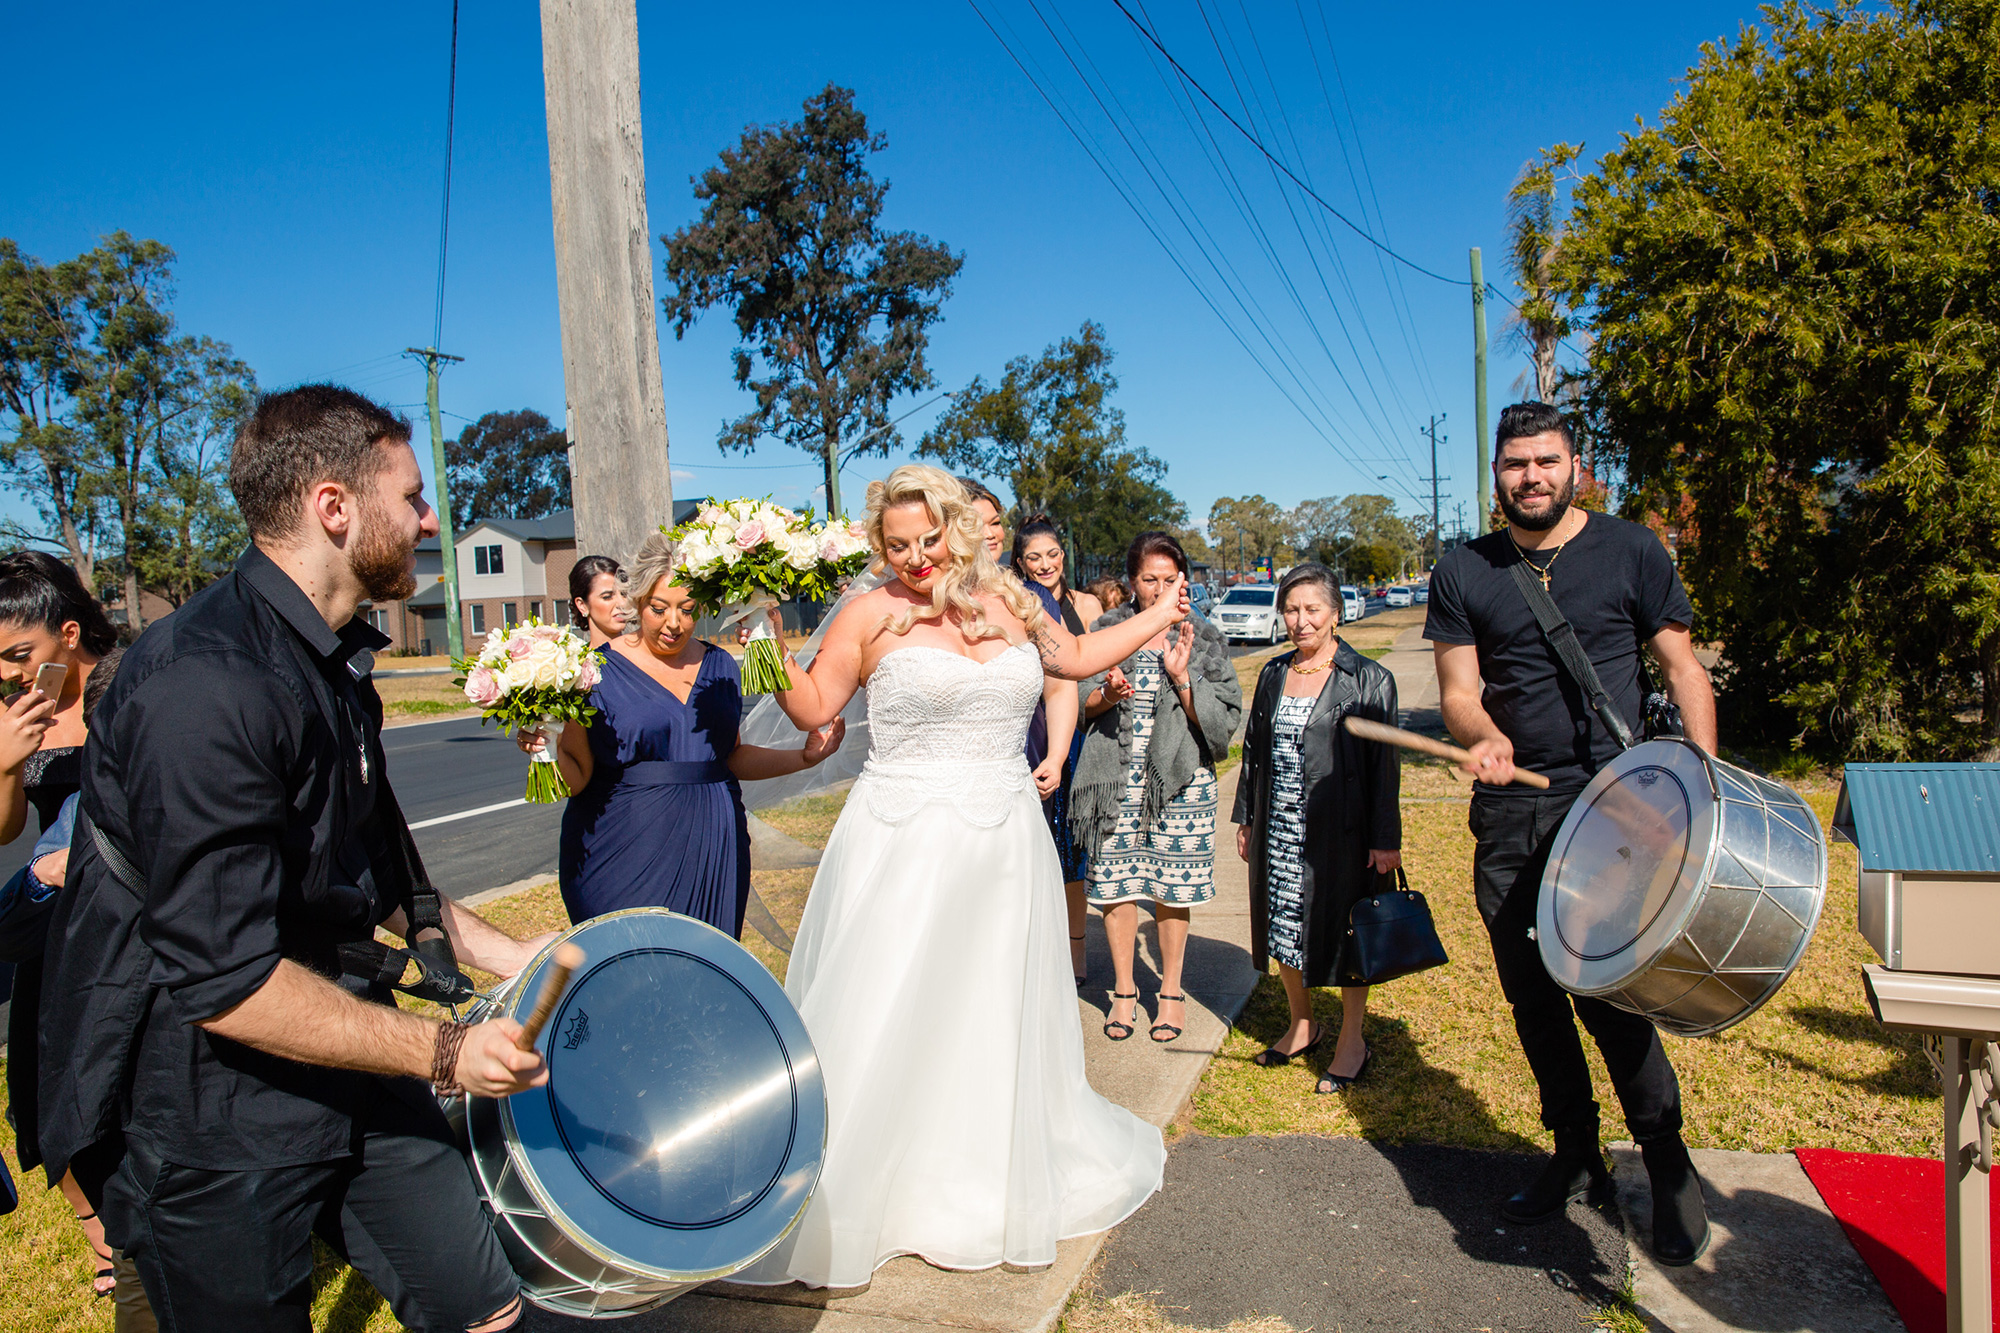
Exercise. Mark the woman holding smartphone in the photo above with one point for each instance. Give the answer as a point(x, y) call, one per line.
point(52, 634)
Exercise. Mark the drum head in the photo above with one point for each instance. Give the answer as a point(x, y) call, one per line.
point(681, 1130)
point(1641, 830)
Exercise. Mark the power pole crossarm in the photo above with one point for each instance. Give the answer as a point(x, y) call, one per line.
point(620, 479)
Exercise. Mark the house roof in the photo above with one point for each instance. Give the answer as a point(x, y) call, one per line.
point(431, 594)
point(1934, 818)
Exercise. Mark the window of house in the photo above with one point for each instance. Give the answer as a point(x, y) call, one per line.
point(486, 560)
point(507, 616)
point(478, 617)
point(534, 610)
point(378, 618)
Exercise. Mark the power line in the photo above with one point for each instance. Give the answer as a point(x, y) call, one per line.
point(1256, 143)
point(444, 212)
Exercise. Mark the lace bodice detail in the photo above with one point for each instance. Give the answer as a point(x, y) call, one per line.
point(943, 727)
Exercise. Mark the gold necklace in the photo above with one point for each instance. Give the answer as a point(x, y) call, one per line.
point(1298, 670)
point(1539, 571)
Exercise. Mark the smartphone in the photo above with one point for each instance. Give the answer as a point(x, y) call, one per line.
point(49, 678)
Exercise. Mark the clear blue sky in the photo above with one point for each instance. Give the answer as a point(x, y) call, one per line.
point(292, 157)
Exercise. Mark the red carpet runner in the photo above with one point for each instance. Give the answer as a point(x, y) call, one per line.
point(1892, 1209)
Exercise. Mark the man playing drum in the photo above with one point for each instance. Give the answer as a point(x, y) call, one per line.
point(196, 1050)
point(1616, 585)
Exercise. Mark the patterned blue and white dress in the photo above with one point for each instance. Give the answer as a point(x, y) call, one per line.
point(1172, 860)
point(1284, 836)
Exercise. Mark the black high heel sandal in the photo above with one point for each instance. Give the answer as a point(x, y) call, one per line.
point(1330, 1082)
point(1273, 1058)
point(1111, 1023)
point(1168, 1028)
point(1081, 977)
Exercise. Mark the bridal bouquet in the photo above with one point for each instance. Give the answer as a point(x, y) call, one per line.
point(528, 677)
point(743, 557)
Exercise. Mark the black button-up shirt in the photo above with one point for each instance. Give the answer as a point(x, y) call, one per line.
point(236, 760)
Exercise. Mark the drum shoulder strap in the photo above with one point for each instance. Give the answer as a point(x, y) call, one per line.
point(1562, 637)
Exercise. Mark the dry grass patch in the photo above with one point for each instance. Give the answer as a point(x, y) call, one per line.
point(1088, 1312)
point(1811, 1069)
point(421, 696)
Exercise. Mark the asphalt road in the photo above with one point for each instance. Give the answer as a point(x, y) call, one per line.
point(442, 771)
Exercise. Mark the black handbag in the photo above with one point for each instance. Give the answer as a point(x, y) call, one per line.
point(1390, 934)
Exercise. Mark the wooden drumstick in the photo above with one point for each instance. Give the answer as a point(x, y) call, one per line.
point(568, 958)
point(1410, 740)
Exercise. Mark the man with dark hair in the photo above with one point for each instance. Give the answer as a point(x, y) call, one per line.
point(216, 1081)
point(1508, 699)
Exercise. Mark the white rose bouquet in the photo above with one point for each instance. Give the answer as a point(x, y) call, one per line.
point(527, 677)
point(742, 557)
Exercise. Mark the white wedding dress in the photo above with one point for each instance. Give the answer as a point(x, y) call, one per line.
point(932, 969)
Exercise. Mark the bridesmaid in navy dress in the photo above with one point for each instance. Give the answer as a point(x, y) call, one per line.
point(655, 816)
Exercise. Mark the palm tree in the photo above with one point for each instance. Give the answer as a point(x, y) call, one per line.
point(1534, 241)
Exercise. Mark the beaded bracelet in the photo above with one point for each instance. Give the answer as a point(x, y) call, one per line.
point(444, 1059)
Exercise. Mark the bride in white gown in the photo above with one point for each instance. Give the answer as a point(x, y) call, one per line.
point(932, 965)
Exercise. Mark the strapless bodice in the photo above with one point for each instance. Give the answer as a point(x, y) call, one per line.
point(944, 727)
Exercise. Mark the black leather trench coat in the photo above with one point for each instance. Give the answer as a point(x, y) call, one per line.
point(1351, 790)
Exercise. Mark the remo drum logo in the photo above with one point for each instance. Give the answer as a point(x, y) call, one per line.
point(579, 1031)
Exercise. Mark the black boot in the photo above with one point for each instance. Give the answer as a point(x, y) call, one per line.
point(1576, 1170)
point(1680, 1219)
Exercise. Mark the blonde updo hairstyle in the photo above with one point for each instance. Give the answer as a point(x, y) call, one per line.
point(970, 573)
point(654, 562)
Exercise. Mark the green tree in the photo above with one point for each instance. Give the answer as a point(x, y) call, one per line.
point(190, 529)
point(1794, 286)
point(508, 465)
point(832, 309)
point(1048, 429)
point(1248, 528)
point(1534, 242)
point(106, 395)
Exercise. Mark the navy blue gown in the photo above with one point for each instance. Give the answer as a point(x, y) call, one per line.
point(661, 823)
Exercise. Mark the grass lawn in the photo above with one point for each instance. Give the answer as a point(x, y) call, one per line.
point(421, 696)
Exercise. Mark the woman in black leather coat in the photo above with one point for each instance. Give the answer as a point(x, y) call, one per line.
point(1316, 815)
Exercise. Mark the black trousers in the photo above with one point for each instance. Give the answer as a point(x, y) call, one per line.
point(233, 1249)
point(1514, 836)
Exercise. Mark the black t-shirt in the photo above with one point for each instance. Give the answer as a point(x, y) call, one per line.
point(1617, 587)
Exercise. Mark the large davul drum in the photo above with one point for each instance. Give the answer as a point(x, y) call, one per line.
point(681, 1130)
point(1681, 887)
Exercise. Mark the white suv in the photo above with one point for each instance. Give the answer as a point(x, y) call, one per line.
point(1250, 612)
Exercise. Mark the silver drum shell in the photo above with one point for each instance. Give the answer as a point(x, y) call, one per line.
point(576, 1248)
point(1681, 887)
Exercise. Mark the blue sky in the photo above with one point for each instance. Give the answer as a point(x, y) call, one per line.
point(292, 157)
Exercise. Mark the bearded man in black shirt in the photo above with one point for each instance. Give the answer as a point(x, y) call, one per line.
point(207, 1068)
point(1508, 699)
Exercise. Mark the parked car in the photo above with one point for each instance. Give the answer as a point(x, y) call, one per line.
point(1201, 599)
point(1421, 594)
point(1400, 596)
point(1250, 613)
point(1353, 605)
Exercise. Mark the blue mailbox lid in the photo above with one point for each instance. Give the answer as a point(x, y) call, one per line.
point(1935, 818)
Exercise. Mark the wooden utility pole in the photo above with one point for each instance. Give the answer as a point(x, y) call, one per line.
point(1481, 467)
point(617, 416)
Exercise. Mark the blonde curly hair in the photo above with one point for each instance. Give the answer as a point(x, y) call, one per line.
point(970, 573)
point(654, 562)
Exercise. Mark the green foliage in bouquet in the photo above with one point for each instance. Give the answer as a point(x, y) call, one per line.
point(530, 676)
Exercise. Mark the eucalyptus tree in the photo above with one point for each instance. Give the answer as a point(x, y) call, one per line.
point(833, 309)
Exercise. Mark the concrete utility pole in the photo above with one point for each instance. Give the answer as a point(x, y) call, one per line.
point(1437, 537)
point(433, 359)
point(1479, 444)
point(617, 414)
